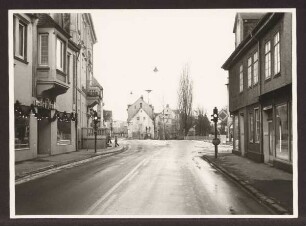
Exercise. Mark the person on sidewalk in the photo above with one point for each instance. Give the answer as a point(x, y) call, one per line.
point(109, 141)
point(116, 141)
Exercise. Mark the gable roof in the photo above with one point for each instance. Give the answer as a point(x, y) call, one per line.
point(143, 108)
point(259, 29)
point(129, 119)
point(247, 16)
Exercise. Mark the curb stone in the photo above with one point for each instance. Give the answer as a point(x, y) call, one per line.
point(260, 196)
point(44, 171)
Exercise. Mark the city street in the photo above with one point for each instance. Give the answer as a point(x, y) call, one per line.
point(151, 178)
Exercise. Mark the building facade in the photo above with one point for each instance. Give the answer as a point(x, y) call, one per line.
point(140, 120)
point(260, 88)
point(167, 124)
point(48, 109)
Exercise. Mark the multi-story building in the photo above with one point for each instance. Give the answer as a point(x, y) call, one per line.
point(48, 65)
point(260, 87)
point(140, 120)
point(167, 124)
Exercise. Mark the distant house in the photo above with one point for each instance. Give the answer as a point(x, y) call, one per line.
point(260, 87)
point(140, 120)
point(167, 124)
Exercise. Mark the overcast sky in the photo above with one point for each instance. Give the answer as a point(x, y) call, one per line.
point(131, 43)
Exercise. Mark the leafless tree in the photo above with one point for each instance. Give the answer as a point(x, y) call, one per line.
point(185, 98)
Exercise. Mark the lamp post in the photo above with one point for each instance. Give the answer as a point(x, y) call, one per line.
point(95, 125)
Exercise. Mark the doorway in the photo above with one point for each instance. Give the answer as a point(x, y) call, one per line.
point(268, 134)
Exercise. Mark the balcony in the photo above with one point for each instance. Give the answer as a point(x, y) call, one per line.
point(51, 83)
point(94, 96)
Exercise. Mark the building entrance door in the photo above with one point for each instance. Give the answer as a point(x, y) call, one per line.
point(241, 118)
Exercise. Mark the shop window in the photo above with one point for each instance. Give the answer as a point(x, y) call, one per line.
point(236, 133)
point(43, 49)
point(268, 60)
point(257, 126)
point(282, 132)
point(63, 132)
point(276, 54)
point(255, 68)
point(251, 128)
point(22, 133)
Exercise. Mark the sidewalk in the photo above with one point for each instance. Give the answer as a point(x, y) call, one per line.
point(42, 164)
point(270, 185)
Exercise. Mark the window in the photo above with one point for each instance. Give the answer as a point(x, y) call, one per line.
point(43, 49)
point(251, 128)
point(21, 40)
point(255, 68)
point(268, 60)
point(137, 118)
point(68, 68)
point(250, 72)
point(60, 54)
point(282, 132)
point(140, 105)
point(276, 54)
point(63, 132)
point(236, 133)
point(257, 126)
point(144, 118)
point(22, 132)
point(241, 78)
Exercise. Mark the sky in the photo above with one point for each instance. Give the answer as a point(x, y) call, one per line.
point(131, 43)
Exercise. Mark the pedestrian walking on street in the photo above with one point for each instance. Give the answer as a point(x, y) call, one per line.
point(116, 141)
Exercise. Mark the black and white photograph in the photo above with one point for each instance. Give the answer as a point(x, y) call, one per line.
point(153, 113)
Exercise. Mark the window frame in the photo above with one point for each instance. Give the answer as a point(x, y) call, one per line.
point(62, 54)
point(268, 59)
point(257, 126)
point(251, 127)
point(62, 141)
point(39, 49)
point(275, 62)
point(250, 69)
point(255, 62)
point(28, 132)
point(241, 78)
point(289, 159)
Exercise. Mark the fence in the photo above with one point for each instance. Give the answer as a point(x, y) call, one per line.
point(88, 138)
point(207, 138)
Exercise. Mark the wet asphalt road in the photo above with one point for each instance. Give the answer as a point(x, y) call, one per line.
point(150, 178)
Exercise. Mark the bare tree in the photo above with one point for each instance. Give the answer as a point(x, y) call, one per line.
point(185, 98)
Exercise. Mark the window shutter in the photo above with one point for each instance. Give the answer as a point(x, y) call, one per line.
point(44, 49)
